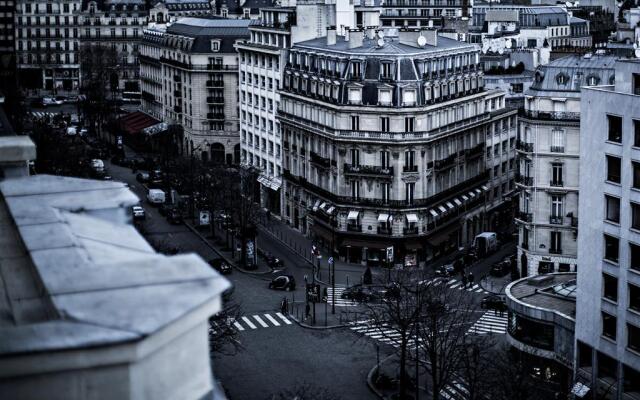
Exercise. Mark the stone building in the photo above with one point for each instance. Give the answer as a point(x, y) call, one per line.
point(422, 13)
point(189, 77)
point(385, 143)
point(608, 296)
point(549, 162)
point(47, 43)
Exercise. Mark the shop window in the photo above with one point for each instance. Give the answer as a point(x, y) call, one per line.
point(564, 267)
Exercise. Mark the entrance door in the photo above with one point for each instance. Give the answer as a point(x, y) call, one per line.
point(523, 265)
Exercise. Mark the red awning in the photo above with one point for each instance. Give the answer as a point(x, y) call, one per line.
point(133, 123)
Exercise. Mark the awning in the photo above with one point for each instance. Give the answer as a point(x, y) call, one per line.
point(478, 191)
point(457, 201)
point(353, 215)
point(382, 217)
point(269, 182)
point(472, 195)
point(136, 122)
point(330, 210)
point(322, 206)
point(412, 218)
point(433, 212)
point(484, 188)
point(442, 209)
point(155, 129)
point(450, 205)
point(465, 198)
point(316, 205)
point(353, 242)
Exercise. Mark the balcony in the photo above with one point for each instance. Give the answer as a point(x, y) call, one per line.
point(524, 146)
point(556, 183)
point(556, 149)
point(445, 163)
point(410, 168)
point(555, 251)
point(474, 151)
point(555, 220)
point(368, 170)
point(215, 116)
point(215, 100)
point(524, 180)
point(221, 67)
point(175, 63)
point(214, 84)
point(551, 115)
point(412, 230)
point(354, 228)
point(383, 230)
point(316, 158)
point(177, 109)
point(524, 216)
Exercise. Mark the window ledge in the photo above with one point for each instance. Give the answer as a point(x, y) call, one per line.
point(614, 223)
point(614, 143)
point(613, 183)
point(610, 301)
point(611, 262)
point(608, 339)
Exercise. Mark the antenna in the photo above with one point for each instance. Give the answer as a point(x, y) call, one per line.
point(380, 42)
point(422, 41)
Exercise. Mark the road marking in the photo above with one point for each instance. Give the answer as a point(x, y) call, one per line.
point(474, 287)
point(238, 326)
point(451, 282)
point(248, 322)
point(456, 285)
point(260, 321)
point(272, 320)
point(282, 317)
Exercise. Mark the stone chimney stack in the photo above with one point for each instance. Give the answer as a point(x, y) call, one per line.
point(331, 36)
point(356, 38)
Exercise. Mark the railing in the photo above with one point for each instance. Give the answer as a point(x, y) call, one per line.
point(551, 115)
point(317, 159)
point(368, 170)
point(524, 216)
point(474, 151)
point(221, 67)
point(410, 230)
point(445, 162)
point(214, 83)
point(556, 149)
point(148, 96)
point(556, 220)
point(524, 146)
point(524, 180)
point(215, 116)
point(383, 230)
point(354, 228)
point(213, 99)
point(556, 183)
point(410, 168)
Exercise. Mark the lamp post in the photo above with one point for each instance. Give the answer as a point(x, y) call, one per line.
point(332, 267)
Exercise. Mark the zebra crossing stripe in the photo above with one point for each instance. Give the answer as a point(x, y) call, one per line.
point(474, 287)
point(456, 285)
point(260, 321)
point(282, 317)
point(238, 326)
point(249, 323)
point(451, 282)
point(272, 320)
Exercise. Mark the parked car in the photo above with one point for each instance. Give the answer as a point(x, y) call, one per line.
point(445, 270)
point(49, 101)
point(72, 131)
point(362, 294)
point(156, 196)
point(138, 213)
point(59, 100)
point(174, 216)
point(220, 265)
point(501, 268)
point(283, 282)
point(485, 244)
point(272, 261)
point(142, 177)
point(494, 302)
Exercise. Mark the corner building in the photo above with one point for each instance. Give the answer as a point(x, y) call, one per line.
point(384, 144)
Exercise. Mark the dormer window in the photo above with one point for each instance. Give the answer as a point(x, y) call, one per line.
point(384, 96)
point(385, 70)
point(246, 12)
point(562, 79)
point(355, 95)
point(592, 80)
point(408, 96)
point(355, 70)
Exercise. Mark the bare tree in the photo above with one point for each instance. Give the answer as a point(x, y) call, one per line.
point(476, 364)
point(512, 377)
point(223, 336)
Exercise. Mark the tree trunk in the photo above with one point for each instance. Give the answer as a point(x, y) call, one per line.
point(403, 368)
point(435, 383)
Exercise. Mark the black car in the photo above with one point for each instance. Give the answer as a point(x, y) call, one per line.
point(362, 294)
point(174, 216)
point(220, 265)
point(283, 282)
point(501, 269)
point(142, 177)
point(494, 302)
point(445, 270)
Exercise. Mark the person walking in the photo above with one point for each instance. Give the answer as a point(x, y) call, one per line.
point(471, 278)
point(464, 281)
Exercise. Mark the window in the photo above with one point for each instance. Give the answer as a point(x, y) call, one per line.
point(409, 191)
point(409, 161)
point(556, 243)
point(355, 123)
point(611, 248)
point(634, 262)
point(409, 123)
point(636, 174)
point(385, 70)
point(613, 209)
point(355, 189)
point(386, 191)
point(613, 169)
point(609, 326)
point(384, 159)
point(556, 174)
point(610, 287)
point(556, 209)
point(636, 84)
point(355, 157)
point(355, 70)
point(633, 338)
point(634, 297)
point(384, 124)
point(636, 133)
point(615, 128)
point(557, 141)
point(635, 215)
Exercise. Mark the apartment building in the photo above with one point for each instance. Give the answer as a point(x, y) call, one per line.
point(116, 25)
point(189, 78)
point(7, 40)
point(261, 59)
point(549, 162)
point(47, 43)
point(422, 13)
point(384, 144)
point(246, 9)
point(608, 295)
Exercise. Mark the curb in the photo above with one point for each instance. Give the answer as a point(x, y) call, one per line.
point(212, 247)
point(370, 383)
point(317, 328)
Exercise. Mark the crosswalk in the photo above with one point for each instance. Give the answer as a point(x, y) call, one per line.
point(456, 284)
point(382, 333)
point(490, 322)
point(42, 114)
point(457, 390)
point(260, 321)
point(340, 302)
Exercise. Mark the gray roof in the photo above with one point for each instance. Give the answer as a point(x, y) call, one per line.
point(203, 30)
point(577, 69)
point(392, 47)
point(539, 292)
point(75, 275)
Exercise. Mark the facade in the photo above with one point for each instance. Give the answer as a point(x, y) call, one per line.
point(542, 318)
point(384, 144)
point(515, 85)
point(90, 310)
point(549, 162)
point(47, 43)
point(118, 26)
point(189, 77)
point(261, 59)
point(7, 40)
point(246, 9)
point(608, 302)
point(163, 11)
point(422, 13)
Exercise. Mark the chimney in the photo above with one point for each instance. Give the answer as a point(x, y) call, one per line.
point(431, 35)
point(331, 36)
point(409, 36)
point(371, 32)
point(356, 37)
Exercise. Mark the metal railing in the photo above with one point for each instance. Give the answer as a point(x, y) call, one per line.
point(368, 170)
point(551, 115)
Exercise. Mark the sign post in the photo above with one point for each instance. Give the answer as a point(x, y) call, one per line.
point(389, 261)
point(332, 271)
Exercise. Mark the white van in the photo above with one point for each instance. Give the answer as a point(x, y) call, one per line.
point(97, 165)
point(485, 244)
point(156, 196)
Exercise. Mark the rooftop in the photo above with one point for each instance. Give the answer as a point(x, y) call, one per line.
point(191, 26)
point(548, 292)
point(76, 274)
point(571, 73)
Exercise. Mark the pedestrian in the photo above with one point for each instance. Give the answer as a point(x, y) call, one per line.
point(471, 278)
point(464, 281)
point(286, 306)
point(307, 310)
point(283, 305)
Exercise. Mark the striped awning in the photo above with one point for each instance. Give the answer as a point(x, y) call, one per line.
point(331, 209)
point(353, 215)
point(382, 217)
point(441, 208)
point(457, 201)
point(316, 205)
point(451, 206)
point(478, 191)
point(484, 188)
point(464, 197)
point(472, 195)
point(412, 218)
point(433, 212)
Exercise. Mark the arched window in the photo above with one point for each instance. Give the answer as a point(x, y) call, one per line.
point(217, 153)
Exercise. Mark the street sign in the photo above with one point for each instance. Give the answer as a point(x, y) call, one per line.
point(330, 260)
point(313, 292)
point(205, 218)
point(390, 253)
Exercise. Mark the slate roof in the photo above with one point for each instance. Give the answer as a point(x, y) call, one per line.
point(73, 277)
point(203, 30)
point(577, 68)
